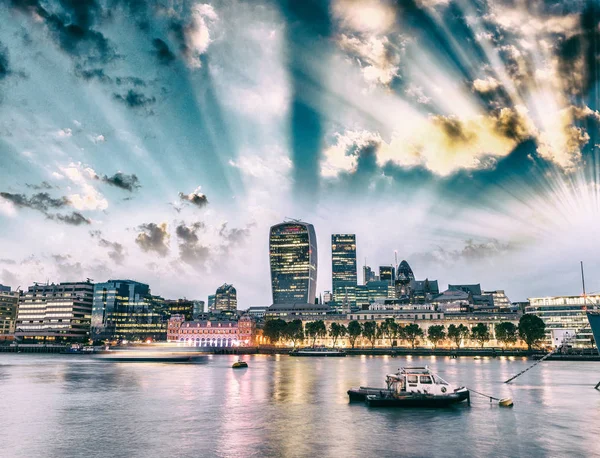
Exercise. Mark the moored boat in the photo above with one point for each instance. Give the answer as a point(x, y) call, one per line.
point(412, 387)
point(318, 351)
point(239, 365)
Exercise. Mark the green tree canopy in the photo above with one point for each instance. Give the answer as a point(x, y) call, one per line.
point(294, 331)
point(411, 332)
point(531, 330)
point(354, 331)
point(506, 332)
point(370, 332)
point(274, 330)
point(336, 331)
point(389, 330)
point(436, 333)
point(481, 333)
point(315, 329)
point(458, 333)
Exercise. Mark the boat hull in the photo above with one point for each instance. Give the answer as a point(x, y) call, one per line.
point(319, 354)
point(594, 319)
point(417, 400)
point(360, 394)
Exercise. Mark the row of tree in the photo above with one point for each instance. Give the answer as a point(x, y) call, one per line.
point(530, 330)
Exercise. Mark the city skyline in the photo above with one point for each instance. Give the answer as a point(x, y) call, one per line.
point(162, 142)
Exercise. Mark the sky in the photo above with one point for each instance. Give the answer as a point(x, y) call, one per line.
point(158, 141)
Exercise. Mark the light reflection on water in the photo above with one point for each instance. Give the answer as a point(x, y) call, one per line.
point(61, 406)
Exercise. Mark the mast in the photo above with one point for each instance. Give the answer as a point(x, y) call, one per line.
point(583, 282)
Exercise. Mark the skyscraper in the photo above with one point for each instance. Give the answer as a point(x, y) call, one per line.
point(293, 257)
point(368, 275)
point(387, 273)
point(343, 268)
point(226, 298)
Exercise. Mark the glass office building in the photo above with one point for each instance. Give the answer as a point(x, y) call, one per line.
point(226, 298)
point(293, 258)
point(387, 273)
point(125, 310)
point(343, 268)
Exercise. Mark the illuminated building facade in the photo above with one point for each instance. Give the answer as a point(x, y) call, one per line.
point(387, 273)
point(368, 275)
point(125, 310)
point(343, 268)
point(9, 302)
point(225, 298)
point(55, 313)
point(212, 333)
point(293, 258)
point(565, 316)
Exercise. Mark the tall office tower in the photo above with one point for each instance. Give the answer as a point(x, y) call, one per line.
point(125, 310)
point(343, 268)
point(368, 275)
point(211, 302)
point(55, 313)
point(387, 273)
point(9, 302)
point(293, 258)
point(226, 298)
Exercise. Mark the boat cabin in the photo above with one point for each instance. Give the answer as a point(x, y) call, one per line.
point(418, 380)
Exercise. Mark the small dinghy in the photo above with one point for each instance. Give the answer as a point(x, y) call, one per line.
point(412, 387)
point(239, 364)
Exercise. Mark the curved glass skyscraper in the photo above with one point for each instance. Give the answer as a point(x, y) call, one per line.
point(293, 257)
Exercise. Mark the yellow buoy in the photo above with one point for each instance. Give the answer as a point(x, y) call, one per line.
point(506, 402)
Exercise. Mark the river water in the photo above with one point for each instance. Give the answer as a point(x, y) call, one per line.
point(75, 406)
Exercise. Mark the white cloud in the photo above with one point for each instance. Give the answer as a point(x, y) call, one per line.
point(88, 198)
point(197, 33)
point(485, 85)
point(369, 16)
point(7, 208)
point(379, 63)
point(64, 133)
point(98, 138)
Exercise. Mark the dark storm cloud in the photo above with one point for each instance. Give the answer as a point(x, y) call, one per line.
point(73, 219)
point(89, 74)
point(9, 262)
point(71, 27)
point(4, 62)
point(38, 187)
point(471, 251)
point(190, 250)
point(116, 251)
point(195, 198)
point(308, 27)
point(42, 201)
point(235, 235)
point(134, 99)
point(121, 180)
point(153, 238)
point(130, 80)
point(162, 52)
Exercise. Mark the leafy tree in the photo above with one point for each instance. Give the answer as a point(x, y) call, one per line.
point(458, 333)
point(274, 330)
point(412, 332)
point(370, 332)
point(481, 333)
point(294, 331)
point(354, 331)
point(531, 330)
point(315, 329)
point(389, 330)
point(506, 332)
point(336, 331)
point(436, 333)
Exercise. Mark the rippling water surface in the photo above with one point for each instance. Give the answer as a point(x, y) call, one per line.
point(74, 406)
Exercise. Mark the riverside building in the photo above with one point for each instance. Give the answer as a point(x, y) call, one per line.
point(212, 333)
point(125, 310)
point(9, 301)
point(343, 269)
point(564, 317)
point(293, 259)
point(55, 313)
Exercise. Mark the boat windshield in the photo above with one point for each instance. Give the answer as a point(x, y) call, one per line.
point(439, 380)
